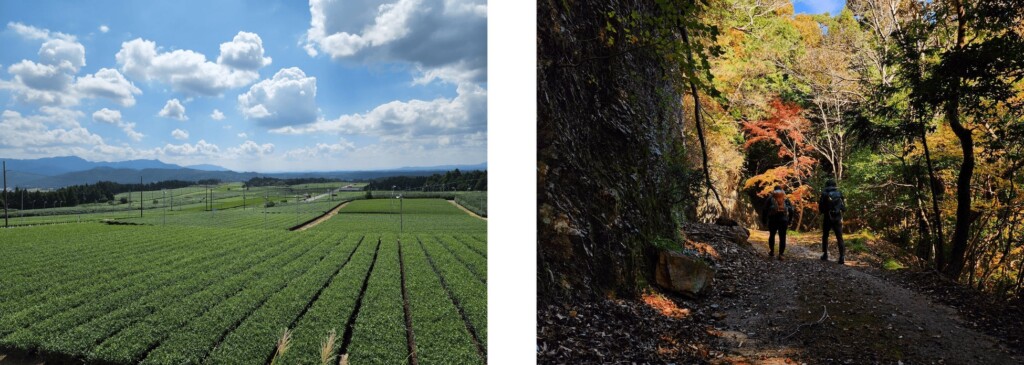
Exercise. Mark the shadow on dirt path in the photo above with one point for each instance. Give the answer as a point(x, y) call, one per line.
point(804, 310)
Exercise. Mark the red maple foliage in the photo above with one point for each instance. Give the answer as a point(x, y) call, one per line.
point(785, 129)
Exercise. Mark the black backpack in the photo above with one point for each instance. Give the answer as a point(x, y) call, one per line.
point(834, 202)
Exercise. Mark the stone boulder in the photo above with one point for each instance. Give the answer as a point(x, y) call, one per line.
point(741, 235)
point(683, 274)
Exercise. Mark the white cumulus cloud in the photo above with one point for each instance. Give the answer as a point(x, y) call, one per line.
point(250, 148)
point(40, 76)
point(217, 115)
point(104, 29)
point(322, 150)
point(188, 71)
point(444, 39)
point(54, 127)
point(289, 98)
point(201, 148)
point(457, 121)
point(110, 84)
point(244, 52)
point(174, 110)
point(179, 134)
point(63, 53)
point(113, 117)
point(33, 33)
point(47, 81)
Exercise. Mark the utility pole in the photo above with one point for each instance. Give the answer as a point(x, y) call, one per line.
point(401, 214)
point(165, 207)
point(5, 194)
point(141, 199)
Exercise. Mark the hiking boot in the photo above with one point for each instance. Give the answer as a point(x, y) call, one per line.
point(782, 258)
point(771, 254)
point(841, 261)
point(824, 257)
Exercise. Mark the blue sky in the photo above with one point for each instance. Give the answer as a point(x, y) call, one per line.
point(249, 85)
point(818, 6)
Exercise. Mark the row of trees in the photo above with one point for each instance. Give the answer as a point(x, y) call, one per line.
point(271, 181)
point(74, 195)
point(454, 180)
point(914, 107)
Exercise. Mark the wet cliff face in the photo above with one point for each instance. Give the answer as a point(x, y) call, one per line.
point(608, 123)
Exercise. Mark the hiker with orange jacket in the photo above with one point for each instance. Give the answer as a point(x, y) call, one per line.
point(776, 214)
point(831, 206)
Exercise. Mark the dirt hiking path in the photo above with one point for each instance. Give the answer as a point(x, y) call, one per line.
point(803, 310)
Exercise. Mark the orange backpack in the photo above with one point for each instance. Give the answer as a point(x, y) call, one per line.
point(779, 197)
point(778, 203)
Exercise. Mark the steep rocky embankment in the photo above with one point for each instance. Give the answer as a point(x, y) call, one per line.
point(608, 124)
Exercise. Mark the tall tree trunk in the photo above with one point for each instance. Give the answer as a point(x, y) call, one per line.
point(963, 184)
point(700, 129)
point(924, 243)
point(940, 252)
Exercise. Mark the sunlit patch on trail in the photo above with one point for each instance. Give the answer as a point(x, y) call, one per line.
point(665, 306)
point(703, 248)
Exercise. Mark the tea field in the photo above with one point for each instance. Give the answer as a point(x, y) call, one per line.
point(383, 281)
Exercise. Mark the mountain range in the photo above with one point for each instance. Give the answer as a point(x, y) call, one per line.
point(55, 172)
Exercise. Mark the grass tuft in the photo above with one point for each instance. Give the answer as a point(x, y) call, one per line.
point(282, 346)
point(892, 264)
point(327, 348)
point(857, 245)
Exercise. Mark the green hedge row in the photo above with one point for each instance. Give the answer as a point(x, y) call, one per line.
point(441, 334)
point(379, 336)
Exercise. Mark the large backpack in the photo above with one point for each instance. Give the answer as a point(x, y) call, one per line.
point(778, 207)
point(834, 200)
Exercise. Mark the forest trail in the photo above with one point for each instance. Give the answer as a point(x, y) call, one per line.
point(821, 312)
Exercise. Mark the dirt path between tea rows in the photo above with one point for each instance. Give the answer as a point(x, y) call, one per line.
point(322, 218)
point(470, 212)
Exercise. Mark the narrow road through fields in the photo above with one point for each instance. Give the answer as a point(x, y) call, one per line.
point(470, 212)
point(806, 310)
point(322, 218)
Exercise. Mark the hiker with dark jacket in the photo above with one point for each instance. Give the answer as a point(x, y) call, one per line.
point(776, 215)
point(831, 206)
